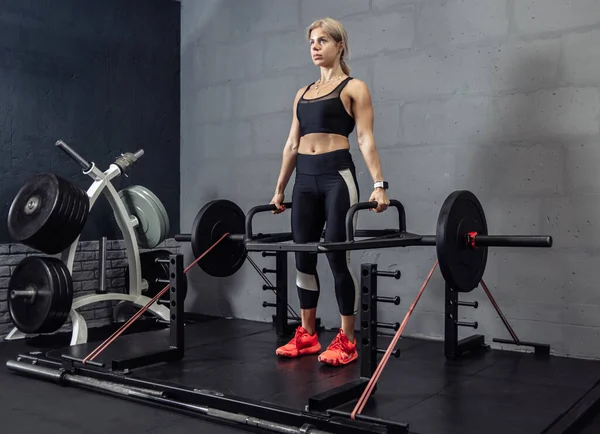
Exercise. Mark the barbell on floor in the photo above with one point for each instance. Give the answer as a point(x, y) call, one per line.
point(461, 239)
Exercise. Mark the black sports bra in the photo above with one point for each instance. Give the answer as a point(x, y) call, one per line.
point(325, 114)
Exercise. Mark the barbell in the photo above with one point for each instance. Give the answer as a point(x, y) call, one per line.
point(461, 239)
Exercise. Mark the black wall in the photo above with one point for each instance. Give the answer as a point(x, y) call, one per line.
point(102, 75)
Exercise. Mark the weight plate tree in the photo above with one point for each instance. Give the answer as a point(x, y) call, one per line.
point(48, 213)
point(40, 294)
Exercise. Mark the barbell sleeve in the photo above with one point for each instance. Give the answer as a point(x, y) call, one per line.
point(496, 240)
point(74, 155)
point(22, 293)
point(511, 240)
point(427, 240)
point(185, 238)
point(371, 205)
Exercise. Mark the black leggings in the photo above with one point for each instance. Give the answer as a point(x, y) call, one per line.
point(324, 189)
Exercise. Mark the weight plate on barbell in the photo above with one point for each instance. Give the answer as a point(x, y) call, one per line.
point(212, 221)
point(461, 265)
point(150, 231)
point(41, 215)
point(47, 306)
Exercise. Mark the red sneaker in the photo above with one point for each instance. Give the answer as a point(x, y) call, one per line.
point(340, 352)
point(301, 344)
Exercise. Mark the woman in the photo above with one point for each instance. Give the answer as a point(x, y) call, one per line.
point(324, 114)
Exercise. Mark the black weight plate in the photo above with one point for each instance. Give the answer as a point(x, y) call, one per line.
point(82, 210)
point(34, 273)
point(32, 208)
point(37, 215)
point(65, 302)
point(54, 322)
point(67, 216)
point(212, 221)
point(461, 266)
point(69, 222)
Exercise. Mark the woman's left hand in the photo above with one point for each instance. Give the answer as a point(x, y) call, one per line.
point(380, 196)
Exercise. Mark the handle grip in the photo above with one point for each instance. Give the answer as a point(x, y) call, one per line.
point(257, 209)
point(371, 205)
point(74, 155)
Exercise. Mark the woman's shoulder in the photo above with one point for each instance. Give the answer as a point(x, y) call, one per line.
point(357, 87)
point(357, 84)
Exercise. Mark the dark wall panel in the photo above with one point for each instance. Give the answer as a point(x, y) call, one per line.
point(101, 75)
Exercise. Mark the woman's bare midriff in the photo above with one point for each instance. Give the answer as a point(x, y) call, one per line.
point(320, 143)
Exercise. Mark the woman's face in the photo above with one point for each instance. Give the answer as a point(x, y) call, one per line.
point(323, 48)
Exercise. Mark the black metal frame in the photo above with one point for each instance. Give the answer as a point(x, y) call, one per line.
point(141, 357)
point(368, 343)
point(455, 348)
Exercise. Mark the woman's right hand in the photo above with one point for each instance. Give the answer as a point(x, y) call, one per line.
point(277, 201)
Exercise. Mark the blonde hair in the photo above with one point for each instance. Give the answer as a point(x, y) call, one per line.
point(336, 30)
